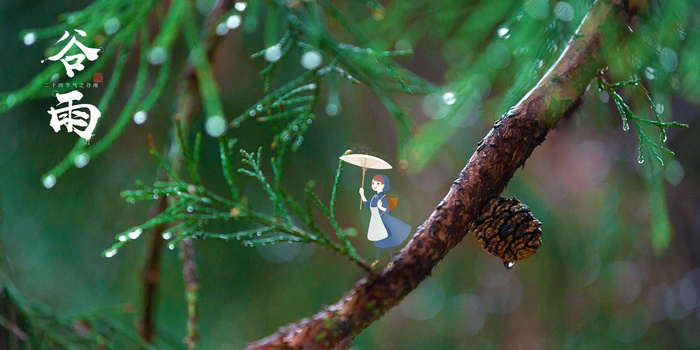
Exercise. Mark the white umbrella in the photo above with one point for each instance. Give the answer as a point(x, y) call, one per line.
point(366, 162)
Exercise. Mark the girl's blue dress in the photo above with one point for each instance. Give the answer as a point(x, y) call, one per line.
point(397, 229)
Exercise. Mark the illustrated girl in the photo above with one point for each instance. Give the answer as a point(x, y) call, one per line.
point(384, 230)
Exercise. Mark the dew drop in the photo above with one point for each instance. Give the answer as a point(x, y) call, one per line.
point(564, 11)
point(259, 234)
point(111, 26)
point(662, 136)
point(233, 22)
point(659, 108)
point(449, 98)
point(540, 64)
point(110, 253)
point(332, 109)
point(171, 246)
point(140, 117)
point(640, 159)
point(311, 60)
point(295, 128)
point(10, 100)
point(49, 181)
point(221, 29)
point(190, 209)
point(273, 53)
point(502, 32)
point(29, 38)
point(216, 126)
point(122, 238)
point(81, 160)
point(649, 73)
point(155, 196)
point(508, 264)
point(252, 113)
point(135, 233)
point(240, 6)
point(669, 59)
point(157, 56)
point(167, 235)
point(625, 124)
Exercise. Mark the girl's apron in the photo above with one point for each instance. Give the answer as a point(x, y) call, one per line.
point(377, 231)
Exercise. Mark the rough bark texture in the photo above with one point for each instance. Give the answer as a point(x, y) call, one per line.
point(490, 168)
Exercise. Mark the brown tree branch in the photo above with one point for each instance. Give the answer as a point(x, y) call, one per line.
point(150, 272)
point(504, 149)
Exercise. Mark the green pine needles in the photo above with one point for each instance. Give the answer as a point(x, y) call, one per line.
point(646, 143)
point(195, 206)
point(45, 328)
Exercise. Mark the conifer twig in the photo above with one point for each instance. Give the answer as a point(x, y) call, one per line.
point(188, 105)
point(504, 149)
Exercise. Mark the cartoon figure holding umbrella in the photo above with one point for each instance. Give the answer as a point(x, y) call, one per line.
point(384, 230)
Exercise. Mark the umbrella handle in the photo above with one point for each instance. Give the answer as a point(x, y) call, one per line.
point(363, 184)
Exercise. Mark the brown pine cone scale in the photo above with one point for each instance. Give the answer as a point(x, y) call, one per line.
point(507, 229)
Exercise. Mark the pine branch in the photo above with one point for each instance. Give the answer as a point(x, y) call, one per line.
point(504, 149)
point(187, 109)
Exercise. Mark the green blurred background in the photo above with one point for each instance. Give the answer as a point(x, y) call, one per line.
point(596, 282)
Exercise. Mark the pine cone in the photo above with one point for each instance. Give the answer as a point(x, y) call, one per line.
point(507, 229)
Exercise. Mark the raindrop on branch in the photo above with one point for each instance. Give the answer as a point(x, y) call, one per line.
point(216, 126)
point(135, 233)
point(111, 26)
point(669, 59)
point(649, 73)
point(49, 181)
point(233, 22)
point(140, 117)
point(332, 109)
point(449, 98)
point(157, 56)
point(221, 29)
point(273, 53)
point(564, 11)
point(659, 108)
point(81, 160)
point(29, 38)
point(311, 60)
